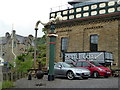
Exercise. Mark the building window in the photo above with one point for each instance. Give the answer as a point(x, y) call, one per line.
point(52, 14)
point(64, 47)
point(58, 13)
point(102, 5)
point(65, 12)
point(94, 13)
point(86, 14)
point(78, 15)
point(14, 44)
point(111, 10)
point(94, 42)
point(111, 3)
point(65, 18)
point(71, 11)
point(86, 8)
point(78, 9)
point(64, 44)
point(93, 6)
point(102, 11)
point(71, 17)
point(118, 2)
point(118, 8)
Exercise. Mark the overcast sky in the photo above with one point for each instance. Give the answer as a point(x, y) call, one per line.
point(23, 15)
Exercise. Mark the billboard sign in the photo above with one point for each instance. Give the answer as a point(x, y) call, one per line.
point(100, 57)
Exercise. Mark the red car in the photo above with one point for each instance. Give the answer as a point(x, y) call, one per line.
point(95, 68)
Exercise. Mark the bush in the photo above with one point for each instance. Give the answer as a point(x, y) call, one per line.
point(7, 84)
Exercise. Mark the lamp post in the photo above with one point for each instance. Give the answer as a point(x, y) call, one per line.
point(39, 73)
point(52, 43)
point(35, 47)
point(52, 37)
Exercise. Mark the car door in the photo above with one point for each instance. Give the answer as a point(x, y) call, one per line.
point(87, 66)
point(58, 69)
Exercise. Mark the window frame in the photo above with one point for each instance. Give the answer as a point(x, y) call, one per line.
point(94, 43)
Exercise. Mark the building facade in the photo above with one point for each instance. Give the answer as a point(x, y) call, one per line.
point(13, 45)
point(88, 27)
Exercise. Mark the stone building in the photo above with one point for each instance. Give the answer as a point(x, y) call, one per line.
point(13, 45)
point(88, 26)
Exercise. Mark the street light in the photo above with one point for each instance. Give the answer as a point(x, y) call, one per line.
point(52, 35)
point(35, 47)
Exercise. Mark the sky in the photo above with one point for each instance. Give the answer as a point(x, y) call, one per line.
point(22, 15)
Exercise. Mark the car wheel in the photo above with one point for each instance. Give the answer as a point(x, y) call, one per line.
point(70, 75)
point(95, 74)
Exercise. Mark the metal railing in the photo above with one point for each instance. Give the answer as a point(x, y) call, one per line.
point(13, 76)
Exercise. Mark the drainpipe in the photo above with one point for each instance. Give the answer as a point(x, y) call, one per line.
point(13, 49)
point(1, 49)
point(83, 39)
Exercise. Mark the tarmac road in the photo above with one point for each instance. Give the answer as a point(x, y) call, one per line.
point(111, 82)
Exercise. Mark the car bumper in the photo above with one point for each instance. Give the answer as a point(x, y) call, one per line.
point(105, 73)
point(82, 75)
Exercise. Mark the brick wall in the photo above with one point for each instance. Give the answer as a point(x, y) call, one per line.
point(79, 37)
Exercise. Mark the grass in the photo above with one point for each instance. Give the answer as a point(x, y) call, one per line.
point(7, 84)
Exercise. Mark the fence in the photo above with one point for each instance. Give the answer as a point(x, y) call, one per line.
point(13, 76)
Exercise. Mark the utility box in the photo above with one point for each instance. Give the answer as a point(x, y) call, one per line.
point(102, 57)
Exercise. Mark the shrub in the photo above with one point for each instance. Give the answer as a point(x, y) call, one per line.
point(7, 84)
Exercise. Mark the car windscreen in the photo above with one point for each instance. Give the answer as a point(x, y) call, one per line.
point(67, 65)
point(96, 64)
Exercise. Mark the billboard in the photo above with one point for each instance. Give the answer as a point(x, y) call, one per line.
point(100, 57)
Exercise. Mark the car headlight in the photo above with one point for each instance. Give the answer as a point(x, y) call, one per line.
point(101, 69)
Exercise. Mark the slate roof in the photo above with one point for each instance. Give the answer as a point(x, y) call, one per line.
point(3, 40)
point(20, 39)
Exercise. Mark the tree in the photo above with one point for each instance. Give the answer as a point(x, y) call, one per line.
point(24, 62)
point(41, 48)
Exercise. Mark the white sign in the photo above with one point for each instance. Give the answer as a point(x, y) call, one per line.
point(89, 56)
point(1, 61)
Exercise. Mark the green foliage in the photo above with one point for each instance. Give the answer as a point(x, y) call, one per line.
point(41, 48)
point(31, 49)
point(7, 84)
point(41, 55)
point(24, 62)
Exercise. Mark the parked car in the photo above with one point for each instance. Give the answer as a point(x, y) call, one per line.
point(95, 68)
point(62, 69)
